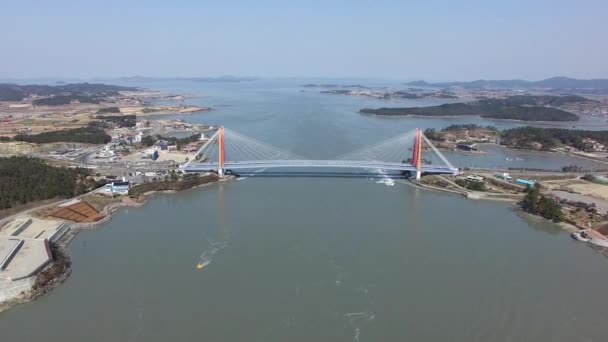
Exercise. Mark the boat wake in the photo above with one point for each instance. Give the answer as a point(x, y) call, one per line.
point(209, 252)
point(356, 319)
point(386, 179)
point(387, 182)
point(256, 171)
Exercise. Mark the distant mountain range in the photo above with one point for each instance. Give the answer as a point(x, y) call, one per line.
point(554, 83)
point(16, 92)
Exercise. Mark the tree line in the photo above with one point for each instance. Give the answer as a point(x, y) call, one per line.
point(149, 140)
point(91, 134)
point(116, 120)
point(59, 100)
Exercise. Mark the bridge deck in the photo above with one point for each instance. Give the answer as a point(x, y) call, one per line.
point(354, 164)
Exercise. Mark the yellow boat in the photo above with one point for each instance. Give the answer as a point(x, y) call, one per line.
point(200, 265)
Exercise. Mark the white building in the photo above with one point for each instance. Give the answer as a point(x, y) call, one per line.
point(118, 187)
point(137, 138)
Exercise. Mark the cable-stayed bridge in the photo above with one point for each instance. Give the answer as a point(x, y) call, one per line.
point(411, 153)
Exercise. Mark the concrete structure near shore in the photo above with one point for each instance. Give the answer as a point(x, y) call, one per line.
point(27, 258)
point(24, 246)
point(8, 249)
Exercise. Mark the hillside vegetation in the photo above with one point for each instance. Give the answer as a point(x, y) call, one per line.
point(525, 137)
point(60, 100)
point(24, 179)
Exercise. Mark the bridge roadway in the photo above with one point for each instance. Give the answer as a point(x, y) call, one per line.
point(352, 164)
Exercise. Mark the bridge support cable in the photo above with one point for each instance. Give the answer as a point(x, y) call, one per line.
point(391, 150)
point(246, 148)
point(399, 149)
point(212, 140)
point(437, 152)
point(238, 147)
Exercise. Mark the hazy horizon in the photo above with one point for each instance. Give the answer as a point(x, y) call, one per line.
point(432, 40)
point(255, 78)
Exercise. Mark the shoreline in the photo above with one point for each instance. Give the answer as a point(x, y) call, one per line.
point(42, 283)
point(563, 225)
point(475, 195)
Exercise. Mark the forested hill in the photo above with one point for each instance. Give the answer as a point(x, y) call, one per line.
point(16, 92)
point(24, 180)
point(494, 109)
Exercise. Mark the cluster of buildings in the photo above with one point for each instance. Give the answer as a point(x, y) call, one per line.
point(130, 135)
point(592, 108)
point(594, 145)
point(123, 137)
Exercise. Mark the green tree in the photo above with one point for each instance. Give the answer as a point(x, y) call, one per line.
point(531, 199)
point(471, 185)
point(536, 203)
point(148, 140)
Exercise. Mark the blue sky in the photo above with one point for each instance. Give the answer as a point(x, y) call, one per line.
point(436, 40)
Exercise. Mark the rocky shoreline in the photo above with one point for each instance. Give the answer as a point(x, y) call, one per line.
point(514, 200)
point(54, 274)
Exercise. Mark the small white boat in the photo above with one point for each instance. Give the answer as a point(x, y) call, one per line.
point(581, 236)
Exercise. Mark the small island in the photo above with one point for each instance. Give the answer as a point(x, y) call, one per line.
point(382, 93)
point(386, 95)
point(523, 107)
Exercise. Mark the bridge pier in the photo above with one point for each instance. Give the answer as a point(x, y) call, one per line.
point(418, 174)
point(221, 152)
